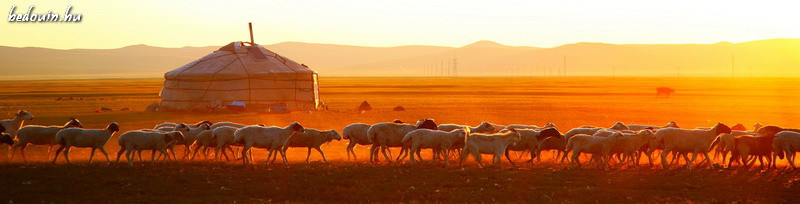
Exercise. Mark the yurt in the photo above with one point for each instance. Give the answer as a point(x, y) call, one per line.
point(241, 73)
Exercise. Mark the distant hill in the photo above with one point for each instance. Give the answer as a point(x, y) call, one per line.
point(772, 57)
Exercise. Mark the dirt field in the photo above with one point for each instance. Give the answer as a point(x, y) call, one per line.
point(567, 102)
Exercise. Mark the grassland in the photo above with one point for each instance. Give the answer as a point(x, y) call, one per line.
point(567, 102)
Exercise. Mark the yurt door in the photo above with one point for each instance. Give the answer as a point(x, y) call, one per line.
point(316, 90)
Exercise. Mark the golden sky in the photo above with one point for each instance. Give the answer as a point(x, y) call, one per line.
point(178, 23)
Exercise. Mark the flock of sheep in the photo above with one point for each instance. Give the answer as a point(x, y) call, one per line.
point(624, 144)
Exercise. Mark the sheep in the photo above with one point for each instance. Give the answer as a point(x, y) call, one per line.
point(385, 135)
point(5, 138)
point(786, 143)
point(484, 127)
point(357, 134)
point(11, 126)
point(599, 147)
point(725, 143)
point(312, 138)
point(530, 141)
point(558, 143)
point(168, 124)
point(477, 144)
point(141, 140)
point(232, 124)
point(190, 136)
point(204, 140)
point(631, 144)
point(40, 135)
point(653, 127)
point(271, 138)
point(747, 145)
point(225, 137)
point(688, 141)
point(438, 140)
point(77, 137)
point(757, 127)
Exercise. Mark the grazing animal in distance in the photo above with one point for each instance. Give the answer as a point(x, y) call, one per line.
point(664, 91)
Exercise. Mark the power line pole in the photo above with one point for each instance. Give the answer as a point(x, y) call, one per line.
point(455, 66)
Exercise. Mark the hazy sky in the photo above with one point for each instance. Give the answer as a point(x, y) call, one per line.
point(177, 23)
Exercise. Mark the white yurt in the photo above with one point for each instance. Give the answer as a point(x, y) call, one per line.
point(241, 73)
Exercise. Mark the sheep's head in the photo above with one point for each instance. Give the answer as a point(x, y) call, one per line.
point(426, 124)
point(721, 128)
point(2, 129)
point(549, 132)
point(5, 138)
point(73, 123)
point(295, 126)
point(209, 123)
point(757, 126)
point(204, 126)
point(182, 127)
point(113, 127)
point(550, 125)
point(460, 133)
point(24, 115)
point(332, 135)
point(619, 126)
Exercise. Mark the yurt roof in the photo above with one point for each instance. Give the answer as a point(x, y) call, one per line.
point(239, 61)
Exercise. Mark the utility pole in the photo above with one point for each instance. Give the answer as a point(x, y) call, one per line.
point(455, 67)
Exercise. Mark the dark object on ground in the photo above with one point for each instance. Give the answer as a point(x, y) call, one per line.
point(104, 109)
point(124, 109)
point(398, 121)
point(665, 91)
point(364, 106)
point(322, 106)
point(399, 108)
point(153, 107)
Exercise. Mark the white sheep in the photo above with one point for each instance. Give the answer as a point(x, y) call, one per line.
point(688, 141)
point(190, 136)
point(385, 135)
point(786, 143)
point(529, 141)
point(91, 138)
point(496, 144)
point(312, 138)
point(725, 143)
point(232, 124)
point(145, 140)
point(40, 135)
point(169, 124)
point(439, 141)
point(11, 126)
point(357, 134)
point(619, 126)
point(270, 138)
point(598, 147)
point(220, 141)
point(484, 127)
point(630, 146)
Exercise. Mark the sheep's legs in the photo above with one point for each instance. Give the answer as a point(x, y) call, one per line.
point(66, 153)
point(349, 150)
point(119, 154)
point(57, 152)
point(372, 152)
point(383, 150)
point(91, 155)
point(664, 154)
point(244, 154)
point(128, 155)
point(308, 156)
point(508, 158)
point(321, 153)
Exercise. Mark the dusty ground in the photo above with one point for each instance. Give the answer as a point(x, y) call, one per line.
point(567, 102)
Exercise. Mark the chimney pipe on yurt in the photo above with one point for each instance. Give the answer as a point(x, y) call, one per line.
point(252, 42)
point(245, 75)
